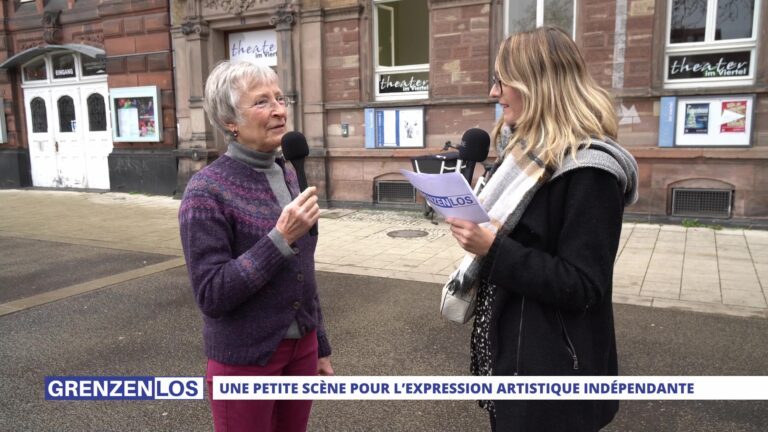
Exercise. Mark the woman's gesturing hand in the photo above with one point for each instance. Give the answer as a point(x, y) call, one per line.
point(324, 367)
point(471, 237)
point(299, 216)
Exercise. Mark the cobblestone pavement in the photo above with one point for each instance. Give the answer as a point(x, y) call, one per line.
point(699, 269)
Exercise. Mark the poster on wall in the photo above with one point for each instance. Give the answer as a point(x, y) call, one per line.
point(714, 120)
point(127, 118)
point(135, 114)
point(394, 127)
point(733, 117)
point(258, 46)
point(697, 118)
point(136, 117)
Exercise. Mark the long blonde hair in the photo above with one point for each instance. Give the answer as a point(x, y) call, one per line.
point(562, 105)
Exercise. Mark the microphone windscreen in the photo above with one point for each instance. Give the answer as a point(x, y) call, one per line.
point(474, 145)
point(294, 146)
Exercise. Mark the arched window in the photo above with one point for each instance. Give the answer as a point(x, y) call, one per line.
point(97, 115)
point(66, 114)
point(39, 115)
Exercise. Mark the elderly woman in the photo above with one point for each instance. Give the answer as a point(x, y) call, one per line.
point(244, 229)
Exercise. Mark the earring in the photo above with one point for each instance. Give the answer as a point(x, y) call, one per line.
point(234, 134)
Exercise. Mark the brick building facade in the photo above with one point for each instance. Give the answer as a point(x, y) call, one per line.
point(353, 82)
point(63, 66)
point(374, 83)
point(631, 50)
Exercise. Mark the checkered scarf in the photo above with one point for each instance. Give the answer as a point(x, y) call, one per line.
point(519, 177)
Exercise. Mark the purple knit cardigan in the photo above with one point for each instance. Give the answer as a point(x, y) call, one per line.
point(248, 291)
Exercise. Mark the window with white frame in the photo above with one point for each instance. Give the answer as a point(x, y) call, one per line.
point(711, 42)
point(524, 15)
point(62, 66)
point(401, 58)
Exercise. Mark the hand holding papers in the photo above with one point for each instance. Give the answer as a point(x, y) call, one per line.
point(449, 194)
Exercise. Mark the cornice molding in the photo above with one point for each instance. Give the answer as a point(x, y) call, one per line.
point(344, 13)
point(235, 7)
point(444, 4)
point(312, 15)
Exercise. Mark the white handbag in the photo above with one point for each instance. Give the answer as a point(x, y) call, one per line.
point(457, 307)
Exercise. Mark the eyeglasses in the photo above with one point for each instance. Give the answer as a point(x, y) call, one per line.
point(264, 103)
point(496, 82)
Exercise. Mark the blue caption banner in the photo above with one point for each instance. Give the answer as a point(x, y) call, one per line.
point(79, 388)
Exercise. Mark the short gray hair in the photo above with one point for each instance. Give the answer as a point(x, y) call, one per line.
point(226, 83)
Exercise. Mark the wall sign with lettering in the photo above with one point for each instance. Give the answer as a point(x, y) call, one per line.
point(714, 120)
point(63, 66)
point(719, 65)
point(404, 82)
point(258, 46)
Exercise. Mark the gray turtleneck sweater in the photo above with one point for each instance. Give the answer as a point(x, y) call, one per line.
point(265, 163)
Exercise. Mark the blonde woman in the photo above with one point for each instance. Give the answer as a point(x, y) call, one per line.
point(544, 264)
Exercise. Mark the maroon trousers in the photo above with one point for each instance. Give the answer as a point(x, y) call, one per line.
point(292, 357)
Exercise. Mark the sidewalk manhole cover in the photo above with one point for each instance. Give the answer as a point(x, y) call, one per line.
point(407, 233)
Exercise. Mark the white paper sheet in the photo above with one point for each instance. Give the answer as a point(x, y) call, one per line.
point(449, 194)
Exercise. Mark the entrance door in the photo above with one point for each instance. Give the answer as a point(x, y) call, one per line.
point(42, 147)
point(69, 136)
point(96, 133)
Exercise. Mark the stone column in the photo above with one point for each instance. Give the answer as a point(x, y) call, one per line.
point(311, 67)
point(196, 140)
point(283, 20)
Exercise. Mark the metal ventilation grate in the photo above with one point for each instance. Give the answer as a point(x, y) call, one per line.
point(702, 202)
point(395, 192)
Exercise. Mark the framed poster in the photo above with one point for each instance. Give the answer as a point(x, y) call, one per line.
point(696, 118)
point(394, 127)
point(136, 115)
point(733, 117)
point(714, 120)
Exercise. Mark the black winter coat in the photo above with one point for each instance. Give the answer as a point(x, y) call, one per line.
point(553, 313)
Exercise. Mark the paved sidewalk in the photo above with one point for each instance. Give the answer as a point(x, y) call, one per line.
point(666, 266)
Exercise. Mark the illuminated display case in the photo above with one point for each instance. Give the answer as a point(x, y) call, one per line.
point(136, 114)
point(394, 127)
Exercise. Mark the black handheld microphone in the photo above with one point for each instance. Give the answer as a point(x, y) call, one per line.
point(295, 150)
point(474, 148)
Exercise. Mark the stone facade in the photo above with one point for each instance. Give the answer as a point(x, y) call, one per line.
point(133, 36)
point(455, 106)
point(637, 82)
point(327, 60)
point(326, 68)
